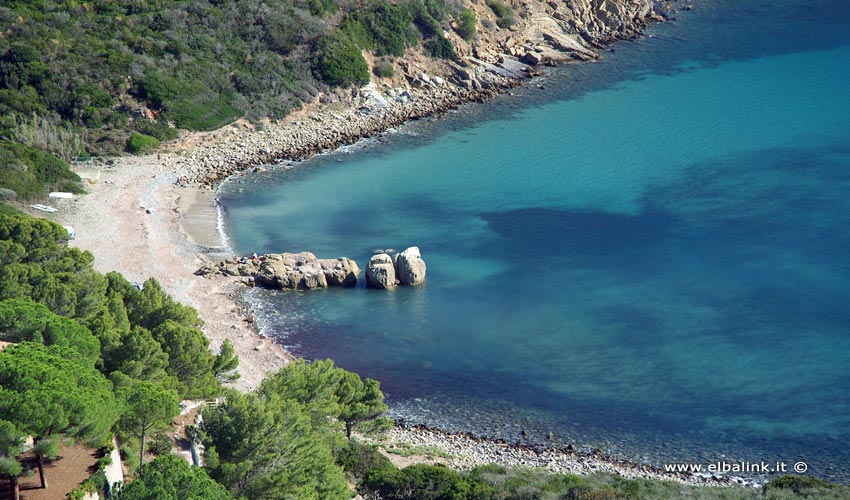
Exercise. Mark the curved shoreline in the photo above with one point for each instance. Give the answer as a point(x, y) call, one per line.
point(148, 196)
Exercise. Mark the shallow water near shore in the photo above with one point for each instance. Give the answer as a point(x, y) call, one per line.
point(648, 256)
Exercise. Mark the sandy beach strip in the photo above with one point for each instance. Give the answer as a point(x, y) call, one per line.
point(136, 220)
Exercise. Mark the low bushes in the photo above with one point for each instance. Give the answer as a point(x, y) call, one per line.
point(340, 63)
point(504, 13)
point(467, 24)
point(32, 173)
point(384, 69)
point(141, 143)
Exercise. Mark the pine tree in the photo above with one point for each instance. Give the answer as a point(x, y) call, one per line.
point(147, 406)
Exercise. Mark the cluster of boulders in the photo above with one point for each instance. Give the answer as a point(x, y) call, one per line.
point(304, 271)
point(405, 268)
point(288, 271)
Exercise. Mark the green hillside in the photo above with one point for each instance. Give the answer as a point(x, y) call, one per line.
point(80, 78)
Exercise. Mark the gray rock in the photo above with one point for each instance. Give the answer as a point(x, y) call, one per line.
point(380, 272)
point(272, 272)
point(7, 194)
point(340, 272)
point(313, 276)
point(410, 267)
point(532, 58)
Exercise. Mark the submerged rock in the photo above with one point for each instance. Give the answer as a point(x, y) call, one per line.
point(380, 272)
point(410, 267)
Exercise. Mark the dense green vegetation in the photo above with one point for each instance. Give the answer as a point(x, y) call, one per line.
point(7, 210)
point(378, 478)
point(92, 354)
point(172, 478)
point(141, 143)
point(101, 77)
point(280, 441)
point(30, 172)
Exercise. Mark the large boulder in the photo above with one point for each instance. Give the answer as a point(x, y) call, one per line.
point(291, 271)
point(380, 272)
point(410, 268)
point(312, 276)
point(340, 272)
point(273, 272)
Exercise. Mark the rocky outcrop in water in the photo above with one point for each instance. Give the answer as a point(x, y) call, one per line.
point(404, 268)
point(304, 271)
point(380, 272)
point(288, 271)
point(410, 268)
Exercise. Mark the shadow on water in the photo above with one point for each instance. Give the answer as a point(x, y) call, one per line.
point(594, 237)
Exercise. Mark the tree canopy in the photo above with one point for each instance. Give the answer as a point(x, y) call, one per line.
point(52, 389)
point(171, 478)
point(51, 294)
point(22, 320)
point(327, 391)
point(146, 407)
point(270, 450)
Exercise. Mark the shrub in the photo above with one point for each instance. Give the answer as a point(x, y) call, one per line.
point(32, 173)
point(161, 444)
point(188, 99)
point(504, 13)
point(499, 8)
point(467, 24)
point(422, 482)
point(441, 47)
point(157, 129)
point(141, 143)
point(383, 69)
point(384, 27)
point(797, 484)
point(358, 459)
point(339, 62)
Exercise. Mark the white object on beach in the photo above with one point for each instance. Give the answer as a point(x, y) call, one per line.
point(44, 208)
point(71, 232)
point(60, 194)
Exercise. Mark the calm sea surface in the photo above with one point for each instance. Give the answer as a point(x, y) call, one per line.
point(651, 255)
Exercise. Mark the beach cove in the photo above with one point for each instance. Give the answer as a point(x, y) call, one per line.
point(142, 244)
point(156, 215)
point(643, 257)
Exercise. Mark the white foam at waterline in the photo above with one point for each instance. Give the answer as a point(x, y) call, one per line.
point(224, 239)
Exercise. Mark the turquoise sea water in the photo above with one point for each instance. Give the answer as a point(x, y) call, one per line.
point(649, 256)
